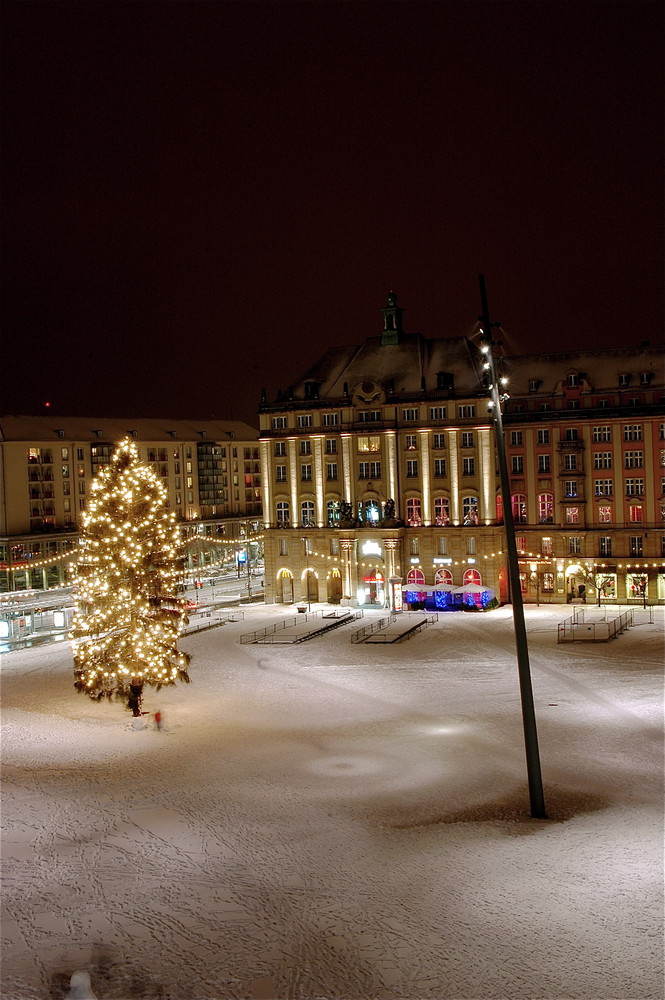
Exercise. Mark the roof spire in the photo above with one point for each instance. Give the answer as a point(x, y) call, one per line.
point(392, 321)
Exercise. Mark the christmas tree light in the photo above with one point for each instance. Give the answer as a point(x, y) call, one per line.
point(128, 613)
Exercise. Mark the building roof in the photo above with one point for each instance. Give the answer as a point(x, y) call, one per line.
point(110, 429)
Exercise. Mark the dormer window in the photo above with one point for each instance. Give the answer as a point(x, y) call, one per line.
point(445, 380)
point(624, 378)
point(573, 380)
point(534, 384)
point(311, 390)
point(645, 378)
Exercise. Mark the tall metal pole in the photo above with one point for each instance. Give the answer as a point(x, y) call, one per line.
point(528, 713)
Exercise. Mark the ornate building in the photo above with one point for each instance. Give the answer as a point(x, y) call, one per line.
point(379, 474)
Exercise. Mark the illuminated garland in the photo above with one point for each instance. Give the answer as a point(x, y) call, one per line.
point(128, 616)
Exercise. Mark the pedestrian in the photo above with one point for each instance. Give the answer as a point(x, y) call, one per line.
point(134, 699)
point(159, 720)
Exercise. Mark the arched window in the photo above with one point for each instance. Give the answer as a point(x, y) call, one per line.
point(519, 508)
point(472, 576)
point(416, 577)
point(283, 513)
point(470, 510)
point(413, 512)
point(499, 509)
point(333, 508)
point(545, 508)
point(368, 511)
point(444, 576)
point(307, 513)
point(441, 510)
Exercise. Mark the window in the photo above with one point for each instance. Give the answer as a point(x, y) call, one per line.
point(369, 470)
point(645, 378)
point(412, 468)
point(467, 439)
point(65, 472)
point(570, 487)
point(661, 434)
point(636, 545)
point(516, 438)
point(369, 416)
point(603, 404)
point(330, 419)
point(573, 404)
point(546, 546)
point(470, 510)
point(442, 546)
point(334, 546)
point(545, 406)
point(574, 545)
point(519, 508)
point(306, 472)
point(634, 459)
point(534, 384)
point(572, 515)
point(437, 413)
point(283, 546)
point(632, 432)
point(438, 441)
point(602, 460)
point(573, 381)
point(82, 486)
point(278, 423)
point(280, 447)
point(602, 433)
point(307, 514)
point(605, 515)
point(603, 487)
point(415, 546)
point(331, 446)
point(520, 543)
point(64, 452)
point(304, 420)
point(624, 378)
point(65, 489)
point(283, 512)
point(605, 545)
point(280, 473)
point(662, 458)
point(570, 463)
point(333, 508)
point(635, 513)
point(413, 515)
point(411, 442)
point(571, 434)
point(369, 444)
point(468, 467)
point(470, 545)
point(331, 470)
point(466, 411)
point(410, 414)
point(517, 464)
point(543, 463)
point(548, 583)
point(439, 468)
point(634, 487)
point(441, 511)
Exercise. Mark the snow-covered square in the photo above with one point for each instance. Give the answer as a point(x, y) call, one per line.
point(341, 821)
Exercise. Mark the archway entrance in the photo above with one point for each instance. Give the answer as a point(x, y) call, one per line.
point(284, 593)
point(374, 589)
point(335, 587)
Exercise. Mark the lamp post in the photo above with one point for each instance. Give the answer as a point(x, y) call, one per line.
point(536, 579)
point(306, 544)
point(526, 692)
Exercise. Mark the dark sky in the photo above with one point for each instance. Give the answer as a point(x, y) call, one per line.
point(200, 197)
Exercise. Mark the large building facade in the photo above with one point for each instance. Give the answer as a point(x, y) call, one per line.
point(210, 470)
point(379, 473)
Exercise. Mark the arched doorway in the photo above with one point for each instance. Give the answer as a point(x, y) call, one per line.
point(374, 589)
point(284, 588)
point(334, 587)
point(311, 585)
point(472, 576)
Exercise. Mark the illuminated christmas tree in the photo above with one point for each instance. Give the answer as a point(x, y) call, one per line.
point(128, 613)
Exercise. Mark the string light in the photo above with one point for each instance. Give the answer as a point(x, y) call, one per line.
point(129, 566)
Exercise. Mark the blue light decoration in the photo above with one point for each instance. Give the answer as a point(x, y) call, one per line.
point(442, 598)
point(485, 598)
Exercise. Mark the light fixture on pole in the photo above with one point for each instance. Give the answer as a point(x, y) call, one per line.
point(306, 544)
point(528, 713)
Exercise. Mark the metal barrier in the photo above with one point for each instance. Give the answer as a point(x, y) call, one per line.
point(376, 626)
point(261, 633)
point(579, 629)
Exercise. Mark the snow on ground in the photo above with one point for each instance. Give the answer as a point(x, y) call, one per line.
point(331, 820)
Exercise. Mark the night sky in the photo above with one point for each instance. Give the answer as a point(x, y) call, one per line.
point(199, 198)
